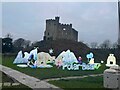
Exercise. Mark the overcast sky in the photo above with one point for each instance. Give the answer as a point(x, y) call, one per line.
point(95, 21)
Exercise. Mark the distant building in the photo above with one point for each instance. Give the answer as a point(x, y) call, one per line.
point(55, 30)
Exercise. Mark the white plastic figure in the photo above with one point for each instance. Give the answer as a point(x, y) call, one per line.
point(91, 61)
point(44, 58)
point(50, 51)
point(19, 59)
point(27, 55)
point(34, 53)
point(111, 60)
point(102, 61)
point(67, 57)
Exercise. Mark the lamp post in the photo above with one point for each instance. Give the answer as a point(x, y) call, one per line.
point(119, 22)
point(118, 29)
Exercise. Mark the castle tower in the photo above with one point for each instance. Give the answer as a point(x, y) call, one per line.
point(51, 29)
point(55, 30)
point(57, 19)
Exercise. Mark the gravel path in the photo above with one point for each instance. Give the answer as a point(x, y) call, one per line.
point(73, 77)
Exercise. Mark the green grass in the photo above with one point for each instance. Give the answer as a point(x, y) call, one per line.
point(88, 82)
point(45, 73)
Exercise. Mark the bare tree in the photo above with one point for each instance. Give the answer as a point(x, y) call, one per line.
point(27, 43)
point(115, 45)
point(19, 42)
point(94, 44)
point(22, 43)
point(106, 44)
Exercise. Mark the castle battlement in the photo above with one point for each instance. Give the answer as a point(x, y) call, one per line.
point(50, 20)
point(65, 24)
point(58, 30)
point(56, 19)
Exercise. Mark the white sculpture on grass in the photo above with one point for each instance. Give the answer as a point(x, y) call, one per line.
point(34, 53)
point(91, 61)
point(102, 62)
point(66, 60)
point(20, 59)
point(89, 56)
point(51, 51)
point(27, 55)
point(59, 59)
point(111, 60)
point(60, 56)
point(20, 55)
point(69, 57)
point(22, 65)
point(44, 58)
point(24, 60)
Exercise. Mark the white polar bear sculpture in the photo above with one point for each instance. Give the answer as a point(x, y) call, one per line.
point(111, 60)
point(44, 58)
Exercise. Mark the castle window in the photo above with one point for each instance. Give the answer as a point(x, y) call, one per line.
point(48, 33)
point(64, 29)
point(48, 38)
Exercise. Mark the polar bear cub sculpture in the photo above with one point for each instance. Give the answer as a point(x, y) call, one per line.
point(111, 60)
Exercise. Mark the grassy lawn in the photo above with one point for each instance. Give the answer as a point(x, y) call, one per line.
point(45, 73)
point(85, 83)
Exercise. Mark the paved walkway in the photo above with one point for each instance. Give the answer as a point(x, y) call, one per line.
point(29, 81)
point(74, 77)
point(34, 82)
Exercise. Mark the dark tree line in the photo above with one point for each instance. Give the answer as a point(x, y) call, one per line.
point(21, 44)
point(104, 45)
point(10, 46)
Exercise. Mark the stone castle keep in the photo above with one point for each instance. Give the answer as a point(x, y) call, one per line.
point(55, 30)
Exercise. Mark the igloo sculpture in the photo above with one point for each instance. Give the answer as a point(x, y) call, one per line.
point(111, 60)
